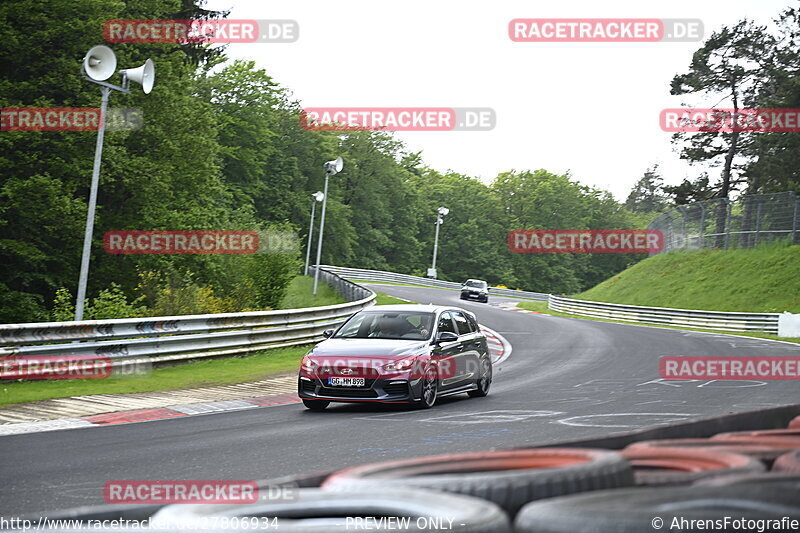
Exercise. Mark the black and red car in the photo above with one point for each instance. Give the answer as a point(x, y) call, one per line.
point(398, 354)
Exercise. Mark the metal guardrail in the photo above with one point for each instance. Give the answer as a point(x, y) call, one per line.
point(159, 339)
point(719, 320)
point(380, 276)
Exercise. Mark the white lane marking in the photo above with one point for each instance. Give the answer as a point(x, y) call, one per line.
point(732, 384)
point(491, 417)
point(713, 383)
point(652, 419)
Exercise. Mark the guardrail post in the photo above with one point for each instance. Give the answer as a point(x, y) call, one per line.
point(795, 240)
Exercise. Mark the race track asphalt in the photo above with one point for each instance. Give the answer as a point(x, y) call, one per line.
point(566, 378)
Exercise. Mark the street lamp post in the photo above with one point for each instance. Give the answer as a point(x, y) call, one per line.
point(441, 212)
point(98, 65)
point(331, 168)
point(316, 197)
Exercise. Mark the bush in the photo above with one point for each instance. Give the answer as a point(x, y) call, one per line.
point(270, 275)
point(191, 299)
point(110, 303)
point(63, 306)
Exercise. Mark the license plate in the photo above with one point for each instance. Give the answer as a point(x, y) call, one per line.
point(346, 382)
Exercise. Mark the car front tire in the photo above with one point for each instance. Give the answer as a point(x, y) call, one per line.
point(430, 388)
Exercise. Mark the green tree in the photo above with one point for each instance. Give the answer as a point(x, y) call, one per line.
point(647, 195)
point(729, 64)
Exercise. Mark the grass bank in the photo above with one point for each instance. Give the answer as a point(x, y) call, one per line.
point(759, 280)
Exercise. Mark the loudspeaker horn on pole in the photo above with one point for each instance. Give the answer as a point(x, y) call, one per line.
point(144, 75)
point(335, 166)
point(100, 63)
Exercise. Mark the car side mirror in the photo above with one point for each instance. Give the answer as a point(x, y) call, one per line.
point(328, 333)
point(446, 336)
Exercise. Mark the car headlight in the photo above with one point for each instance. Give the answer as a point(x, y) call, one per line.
point(308, 364)
point(401, 365)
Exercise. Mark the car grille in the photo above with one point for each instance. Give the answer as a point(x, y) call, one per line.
point(347, 393)
point(396, 388)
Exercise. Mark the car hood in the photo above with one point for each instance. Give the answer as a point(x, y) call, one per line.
point(369, 347)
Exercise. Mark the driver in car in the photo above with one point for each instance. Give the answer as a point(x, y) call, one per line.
point(393, 327)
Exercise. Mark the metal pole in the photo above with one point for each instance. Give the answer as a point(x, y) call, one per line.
point(728, 209)
point(436, 240)
point(758, 221)
point(702, 225)
point(321, 228)
point(87, 238)
point(684, 236)
point(794, 221)
point(310, 233)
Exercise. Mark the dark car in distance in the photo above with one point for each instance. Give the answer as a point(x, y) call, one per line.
point(398, 354)
point(475, 289)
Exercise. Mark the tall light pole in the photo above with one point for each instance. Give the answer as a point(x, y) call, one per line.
point(331, 168)
point(441, 212)
point(98, 65)
point(316, 197)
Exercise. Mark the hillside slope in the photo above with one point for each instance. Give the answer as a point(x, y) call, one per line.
point(764, 279)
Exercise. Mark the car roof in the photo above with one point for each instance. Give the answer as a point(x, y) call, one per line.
point(418, 308)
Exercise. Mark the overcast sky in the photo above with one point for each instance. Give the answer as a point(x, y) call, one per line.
point(588, 108)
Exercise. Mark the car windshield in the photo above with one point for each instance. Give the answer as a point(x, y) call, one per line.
point(475, 283)
point(387, 325)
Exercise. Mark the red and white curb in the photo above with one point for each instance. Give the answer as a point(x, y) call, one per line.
point(499, 348)
point(513, 307)
point(146, 415)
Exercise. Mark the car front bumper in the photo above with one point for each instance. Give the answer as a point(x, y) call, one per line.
point(390, 390)
point(470, 295)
